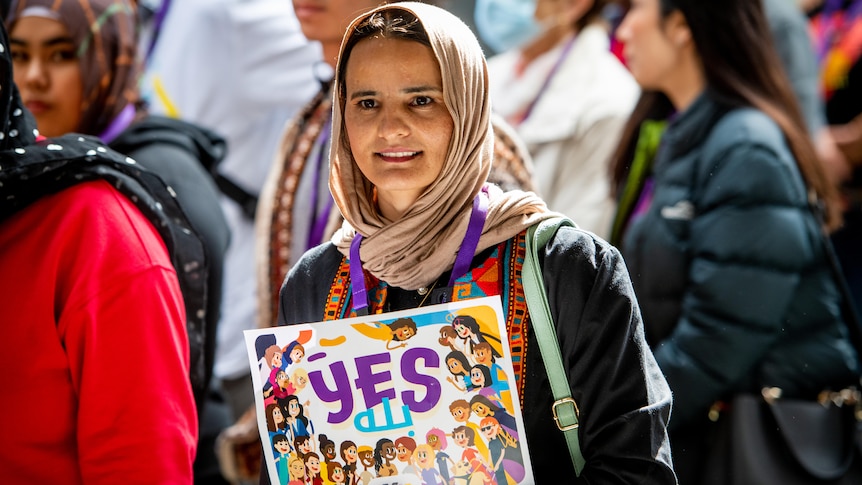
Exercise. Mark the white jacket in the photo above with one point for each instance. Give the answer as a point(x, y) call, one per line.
point(574, 126)
point(241, 68)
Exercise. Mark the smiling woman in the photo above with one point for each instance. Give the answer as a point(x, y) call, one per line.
point(296, 212)
point(412, 148)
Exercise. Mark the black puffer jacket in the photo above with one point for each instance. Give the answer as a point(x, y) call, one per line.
point(184, 156)
point(729, 267)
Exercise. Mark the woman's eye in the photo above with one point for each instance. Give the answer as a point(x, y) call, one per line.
point(366, 104)
point(422, 101)
point(18, 56)
point(63, 55)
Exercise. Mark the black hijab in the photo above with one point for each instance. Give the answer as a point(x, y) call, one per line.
point(32, 167)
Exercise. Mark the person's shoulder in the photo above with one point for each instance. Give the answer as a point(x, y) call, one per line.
point(575, 245)
point(322, 258)
point(107, 222)
point(743, 127)
point(157, 130)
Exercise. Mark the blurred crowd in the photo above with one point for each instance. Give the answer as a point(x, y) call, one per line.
point(700, 155)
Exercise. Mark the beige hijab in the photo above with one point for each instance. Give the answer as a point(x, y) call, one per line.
point(415, 250)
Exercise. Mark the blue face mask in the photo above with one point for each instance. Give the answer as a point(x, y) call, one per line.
point(506, 24)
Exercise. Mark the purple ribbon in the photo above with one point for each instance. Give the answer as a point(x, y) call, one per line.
point(548, 78)
point(159, 19)
point(118, 124)
point(462, 260)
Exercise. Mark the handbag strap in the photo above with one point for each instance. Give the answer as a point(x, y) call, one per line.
point(848, 308)
point(564, 409)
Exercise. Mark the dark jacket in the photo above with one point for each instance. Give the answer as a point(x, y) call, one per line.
point(623, 398)
point(728, 265)
point(184, 156)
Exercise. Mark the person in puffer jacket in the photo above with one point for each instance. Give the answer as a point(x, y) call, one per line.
point(726, 255)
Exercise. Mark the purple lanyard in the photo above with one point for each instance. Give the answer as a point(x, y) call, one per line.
point(118, 124)
point(315, 235)
point(548, 78)
point(159, 19)
point(462, 261)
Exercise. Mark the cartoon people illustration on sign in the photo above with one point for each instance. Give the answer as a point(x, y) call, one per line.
point(460, 410)
point(312, 466)
point(303, 445)
point(395, 334)
point(335, 473)
point(483, 383)
point(459, 366)
point(436, 439)
point(297, 470)
point(483, 408)
point(272, 364)
point(298, 423)
point(280, 383)
point(294, 352)
point(404, 448)
point(506, 458)
point(424, 455)
point(327, 448)
point(465, 437)
point(282, 455)
point(366, 457)
point(275, 421)
point(384, 454)
point(468, 334)
point(351, 458)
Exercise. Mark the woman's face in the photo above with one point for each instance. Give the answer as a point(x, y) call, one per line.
point(432, 440)
point(403, 453)
point(350, 455)
point(293, 408)
point(649, 48)
point(396, 121)
point(313, 465)
point(404, 333)
point(455, 367)
point(480, 409)
point(297, 469)
point(47, 73)
point(477, 377)
point(305, 446)
point(276, 360)
point(389, 451)
point(277, 416)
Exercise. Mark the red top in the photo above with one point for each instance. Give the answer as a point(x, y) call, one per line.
point(93, 346)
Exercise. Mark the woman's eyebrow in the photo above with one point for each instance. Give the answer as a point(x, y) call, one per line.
point(362, 94)
point(422, 89)
point(48, 43)
point(408, 90)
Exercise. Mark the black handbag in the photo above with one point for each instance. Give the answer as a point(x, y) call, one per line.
point(764, 441)
point(767, 439)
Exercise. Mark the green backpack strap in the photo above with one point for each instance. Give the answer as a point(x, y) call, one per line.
point(565, 410)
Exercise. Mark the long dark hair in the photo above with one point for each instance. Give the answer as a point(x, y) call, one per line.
point(742, 67)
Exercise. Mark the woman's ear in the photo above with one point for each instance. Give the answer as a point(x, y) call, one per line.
point(676, 29)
